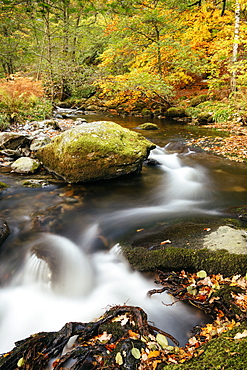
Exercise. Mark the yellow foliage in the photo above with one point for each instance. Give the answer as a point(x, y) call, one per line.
point(205, 26)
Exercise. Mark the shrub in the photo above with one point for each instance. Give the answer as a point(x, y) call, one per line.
point(4, 122)
point(19, 97)
point(198, 100)
point(222, 115)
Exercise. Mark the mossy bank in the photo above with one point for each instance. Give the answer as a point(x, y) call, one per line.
point(222, 353)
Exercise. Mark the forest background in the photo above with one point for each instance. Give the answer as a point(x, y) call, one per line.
point(132, 56)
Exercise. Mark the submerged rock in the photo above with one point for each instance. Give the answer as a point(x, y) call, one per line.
point(35, 183)
point(176, 147)
point(94, 151)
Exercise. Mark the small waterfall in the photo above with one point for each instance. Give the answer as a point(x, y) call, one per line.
point(57, 263)
point(183, 189)
point(182, 182)
point(36, 270)
point(27, 308)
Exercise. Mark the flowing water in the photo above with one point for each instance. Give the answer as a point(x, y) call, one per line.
point(70, 266)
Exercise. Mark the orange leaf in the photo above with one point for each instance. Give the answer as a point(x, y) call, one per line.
point(153, 354)
point(110, 347)
point(132, 334)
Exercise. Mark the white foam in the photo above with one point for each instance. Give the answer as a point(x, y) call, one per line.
point(28, 308)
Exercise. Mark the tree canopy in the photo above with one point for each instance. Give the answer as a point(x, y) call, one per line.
point(125, 49)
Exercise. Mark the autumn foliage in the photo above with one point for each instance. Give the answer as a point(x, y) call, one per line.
point(20, 97)
point(16, 91)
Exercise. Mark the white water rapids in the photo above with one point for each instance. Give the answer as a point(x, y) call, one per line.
point(75, 285)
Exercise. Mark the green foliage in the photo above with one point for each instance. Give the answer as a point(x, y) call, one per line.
point(4, 122)
point(41, 110)
point(193, 112)
point(221, 111)
point(136, 85)
point(218, 110)
point(222, 115)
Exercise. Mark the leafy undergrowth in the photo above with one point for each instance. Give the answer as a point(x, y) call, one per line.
point(123, 339)
point(233, 147)
point(227, 351)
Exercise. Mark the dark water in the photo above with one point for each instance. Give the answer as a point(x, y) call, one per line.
point(79, 227)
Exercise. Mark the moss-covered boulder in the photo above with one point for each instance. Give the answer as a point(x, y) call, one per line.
point(198, 100)
point(95, 151)
point(177, 259)
point(176, 112)
point(25, 165)
point(206, 243)
point(148, 126)
point(204, 117)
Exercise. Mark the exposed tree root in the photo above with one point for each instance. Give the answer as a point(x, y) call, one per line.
point(96, 344)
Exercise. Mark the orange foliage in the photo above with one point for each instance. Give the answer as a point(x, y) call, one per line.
point(20, 88)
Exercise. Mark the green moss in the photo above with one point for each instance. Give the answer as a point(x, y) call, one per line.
point(148, 126)
point(177, 259)
point(176, 112)
point(146, 112)
point(204, 117)
point(198, 100)
point(3, 185)
point(225, 294)
point(220, 353)
point(34, 183)
point(93, 151)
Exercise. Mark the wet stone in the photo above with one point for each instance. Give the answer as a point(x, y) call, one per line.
point(4, 231)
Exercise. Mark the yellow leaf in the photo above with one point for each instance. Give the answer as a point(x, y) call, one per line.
point(21, 362)
point(119, 359)
point(153, 354)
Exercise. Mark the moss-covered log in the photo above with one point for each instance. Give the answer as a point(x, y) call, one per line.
point(177, 259)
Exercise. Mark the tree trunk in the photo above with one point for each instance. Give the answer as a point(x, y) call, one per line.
point(49, 53)
point(235, 47)
point(158, 50)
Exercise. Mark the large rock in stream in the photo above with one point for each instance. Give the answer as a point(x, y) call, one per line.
point(95, 151)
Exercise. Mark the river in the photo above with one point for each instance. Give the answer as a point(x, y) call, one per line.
point(78, 228)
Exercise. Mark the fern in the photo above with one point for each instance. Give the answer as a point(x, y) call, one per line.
point(19, 96)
